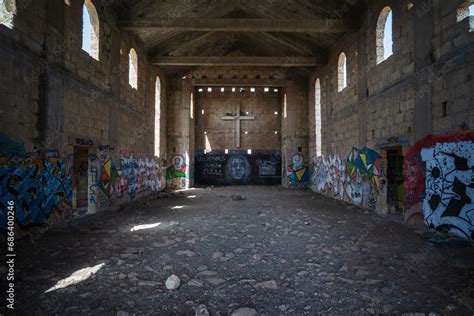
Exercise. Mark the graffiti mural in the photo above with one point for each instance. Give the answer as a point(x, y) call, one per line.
point(440, 176)
point(114, 179)
point(355, 180)
point(238, 167)
point(297, 172)
point(364, 162)
point(42, 190)
point(177, 169)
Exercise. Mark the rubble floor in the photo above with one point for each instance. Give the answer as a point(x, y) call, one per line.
point(276, 251)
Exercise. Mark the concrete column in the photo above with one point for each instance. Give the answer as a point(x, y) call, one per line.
point(179, 137)
point(51, 83)
point(294, 130)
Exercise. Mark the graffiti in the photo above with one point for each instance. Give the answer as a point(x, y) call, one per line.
point(449, 187)
point(238, 167)
point(439, 183)
point(109, 177)
point(351, 180)
point(84, 142)
point(297, 173)
point(41, 189)
point(267, 168)
point(364, 162)
point(329, 176)
point(177, 169)
point(139, 175)
point(238, 170)
point(110, 181)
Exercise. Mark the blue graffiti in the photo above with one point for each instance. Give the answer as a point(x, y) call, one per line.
point(37, 190)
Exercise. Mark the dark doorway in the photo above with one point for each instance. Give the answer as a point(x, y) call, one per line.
point(395, 179)
point(81, 167)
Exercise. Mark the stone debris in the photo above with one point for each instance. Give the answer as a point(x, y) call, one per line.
point(244, 311)
point(271, 285)
point(237, 197)
point(173, 282)
point(201, 310)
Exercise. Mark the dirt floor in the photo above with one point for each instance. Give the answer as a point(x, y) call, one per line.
point(275, 252)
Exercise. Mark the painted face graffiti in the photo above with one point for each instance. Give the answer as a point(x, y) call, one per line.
point(238, 169)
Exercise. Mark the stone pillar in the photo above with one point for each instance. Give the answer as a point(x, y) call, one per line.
point(179, 171)
point(362, 88)
point(294, 138)
point(51, 83)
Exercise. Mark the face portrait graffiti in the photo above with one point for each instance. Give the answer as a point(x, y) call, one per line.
point(238, 170)
point(178, 162)
point(297, 161)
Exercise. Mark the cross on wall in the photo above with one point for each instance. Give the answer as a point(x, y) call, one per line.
point(237, 118)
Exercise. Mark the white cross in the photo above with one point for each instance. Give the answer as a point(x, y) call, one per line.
point(237, 118)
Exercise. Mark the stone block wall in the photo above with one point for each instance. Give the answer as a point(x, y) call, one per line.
point(263, 132)
point(423, 89)
point(182, 139)
point(57, 100)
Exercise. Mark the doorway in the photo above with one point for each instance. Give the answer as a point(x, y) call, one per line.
point(81, 168)
point(395, 189)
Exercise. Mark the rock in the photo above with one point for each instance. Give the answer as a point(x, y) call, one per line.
point(244, 311)
point(147, 283)
point(173, 282)
point(202, 268)
point(215, 281)
point(271, 285)
point(201, 310)
point(216, 255)
point(188, 253)
point(123, 313)
point(372, 281)
point(196, 283)
point(237, 197)
point(206, 274)
point(362, 273)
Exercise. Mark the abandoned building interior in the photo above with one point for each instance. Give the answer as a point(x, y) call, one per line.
point(322, 150)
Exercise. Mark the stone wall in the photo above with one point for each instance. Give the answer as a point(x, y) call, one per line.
point(261, 133)
point(58, 100)
point(294, 126)
point(424, 88)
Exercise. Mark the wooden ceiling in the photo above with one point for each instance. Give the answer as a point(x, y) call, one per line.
point(239, 32)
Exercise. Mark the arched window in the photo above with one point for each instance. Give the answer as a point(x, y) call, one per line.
point(7, 12)
point(317, 114)
point(466, 11)
point(133, 68)
point(384, 36)
point(157, 116)
point(342, 72)
point(90, 30)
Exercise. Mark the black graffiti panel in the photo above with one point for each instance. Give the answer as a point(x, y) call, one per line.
point(238, 167)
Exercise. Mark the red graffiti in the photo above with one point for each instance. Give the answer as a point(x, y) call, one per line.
point(413, 168)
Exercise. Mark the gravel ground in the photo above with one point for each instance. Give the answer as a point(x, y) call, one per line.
point(273, 251)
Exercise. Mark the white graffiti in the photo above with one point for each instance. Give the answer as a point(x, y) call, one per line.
point(449, 187)
point(330, 177)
